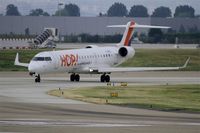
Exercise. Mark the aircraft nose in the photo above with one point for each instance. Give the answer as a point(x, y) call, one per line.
point(31, 68)
point(35, 67)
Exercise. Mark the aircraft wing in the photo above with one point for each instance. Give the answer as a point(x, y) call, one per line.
point(139, 69)
point(17, 63)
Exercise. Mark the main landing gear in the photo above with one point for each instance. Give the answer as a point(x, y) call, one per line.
point(37, 78)
point(74, 77)
point(105, 78)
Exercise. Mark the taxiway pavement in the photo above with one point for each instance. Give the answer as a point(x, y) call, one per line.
point(25, 106)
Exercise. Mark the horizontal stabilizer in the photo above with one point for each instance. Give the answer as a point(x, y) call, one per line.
point(150, 26)
point(116, 26)
point(139, 26)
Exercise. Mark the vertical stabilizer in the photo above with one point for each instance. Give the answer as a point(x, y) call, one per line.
point(127, 36)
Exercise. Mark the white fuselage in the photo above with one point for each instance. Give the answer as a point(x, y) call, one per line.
point(86, 60)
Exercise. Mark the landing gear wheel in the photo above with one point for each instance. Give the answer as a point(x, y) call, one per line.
point(107, 78)
point(102, 79)
point(72, 77)
point(77, 77)
point(37, 78)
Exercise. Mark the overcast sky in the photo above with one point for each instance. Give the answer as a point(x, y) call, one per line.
point(93, 7)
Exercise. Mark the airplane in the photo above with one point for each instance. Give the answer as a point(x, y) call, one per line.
point(91, 59)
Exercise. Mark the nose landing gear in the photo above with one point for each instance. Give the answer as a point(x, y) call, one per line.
point(37, 78)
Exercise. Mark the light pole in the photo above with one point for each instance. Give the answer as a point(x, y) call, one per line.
point(59, 14)
point(59, 9)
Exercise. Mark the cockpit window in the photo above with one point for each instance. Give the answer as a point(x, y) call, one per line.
point(42, 59)
point(47, 58)
point(38, 59)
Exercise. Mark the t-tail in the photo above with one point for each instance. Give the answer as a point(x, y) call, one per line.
point(130, 26)
point(127, 36)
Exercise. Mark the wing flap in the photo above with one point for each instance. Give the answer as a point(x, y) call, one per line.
point(136, 69)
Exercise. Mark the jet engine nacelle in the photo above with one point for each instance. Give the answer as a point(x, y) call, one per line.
point(126, 51)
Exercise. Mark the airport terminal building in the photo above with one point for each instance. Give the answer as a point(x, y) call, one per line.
point(89, 25)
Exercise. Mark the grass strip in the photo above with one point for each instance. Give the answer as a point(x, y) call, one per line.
point(158, 97)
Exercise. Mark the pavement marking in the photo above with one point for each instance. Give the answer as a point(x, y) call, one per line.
point(114, 125)
point(88, 123)
point(11, 132)
point(68, 123)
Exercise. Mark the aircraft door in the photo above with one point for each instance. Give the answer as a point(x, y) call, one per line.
point(55, 60)
point(95, 59)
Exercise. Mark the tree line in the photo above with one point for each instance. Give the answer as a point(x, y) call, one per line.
point(120, 10)
point(191, 35)
point(153, 36)
point(115, 10)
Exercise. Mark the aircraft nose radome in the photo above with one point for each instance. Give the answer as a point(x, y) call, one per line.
point(36, 67)
point(31, 68)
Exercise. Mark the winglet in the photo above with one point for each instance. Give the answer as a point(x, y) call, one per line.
point(16, 59)
point(17, 63)
point(186, 63)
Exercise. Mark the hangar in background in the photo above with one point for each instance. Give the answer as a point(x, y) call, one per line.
point(90, 25)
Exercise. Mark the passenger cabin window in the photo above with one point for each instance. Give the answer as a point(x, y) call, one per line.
point(42, 59)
